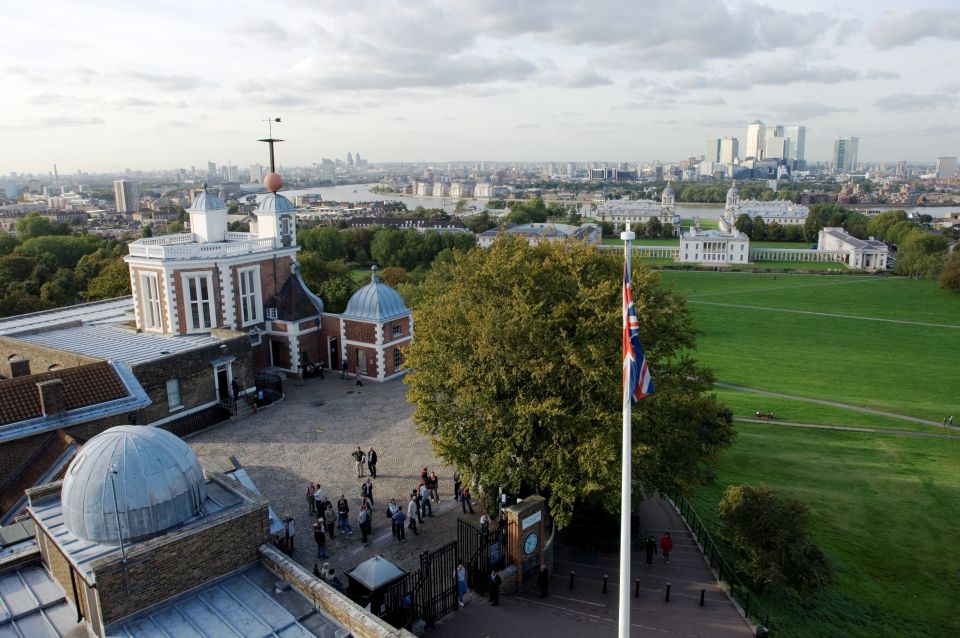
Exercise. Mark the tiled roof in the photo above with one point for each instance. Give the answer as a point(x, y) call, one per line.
point(82, 386)
point(295, 301)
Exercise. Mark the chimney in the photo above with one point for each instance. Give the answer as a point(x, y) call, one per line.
point(19, 368)
point(51, 397)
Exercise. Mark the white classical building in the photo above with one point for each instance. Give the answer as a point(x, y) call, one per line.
point(867, 254)
point(536, 233)
point(714, 248)
point(783, 212)
point(642, 210)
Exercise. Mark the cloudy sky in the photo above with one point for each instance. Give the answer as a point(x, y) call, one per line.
point(104, 85)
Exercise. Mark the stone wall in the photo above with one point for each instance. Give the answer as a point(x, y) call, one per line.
point(41, 357)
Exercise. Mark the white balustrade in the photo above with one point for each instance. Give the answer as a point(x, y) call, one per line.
point(184, 247)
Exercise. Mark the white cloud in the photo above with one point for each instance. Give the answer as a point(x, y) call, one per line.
point(907, 27)
point(910, 102)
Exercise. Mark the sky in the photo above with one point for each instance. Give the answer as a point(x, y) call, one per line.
point(108, 85)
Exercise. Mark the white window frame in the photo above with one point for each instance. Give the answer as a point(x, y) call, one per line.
point(397, 358)
point(188, 303)
point(174, 395)
point(251, 301)
point(150, 294)
point(397, 330)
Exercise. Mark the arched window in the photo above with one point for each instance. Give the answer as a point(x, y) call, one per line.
point(397, 358)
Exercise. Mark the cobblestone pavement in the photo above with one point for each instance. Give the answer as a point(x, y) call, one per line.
point(310, 435)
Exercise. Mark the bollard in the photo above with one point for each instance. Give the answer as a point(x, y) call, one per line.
point(604, 583)
point(571, 578)
point(668, 592)
point(703, 593)
point(636, 588)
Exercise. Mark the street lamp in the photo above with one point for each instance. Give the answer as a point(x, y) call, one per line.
point(116, 508)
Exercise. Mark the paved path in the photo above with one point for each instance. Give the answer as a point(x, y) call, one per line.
point(832, 404)
point(849, 428)
point(825, 314)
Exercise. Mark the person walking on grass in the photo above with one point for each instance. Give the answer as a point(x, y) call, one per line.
point(666, 546)
point(372, 462)
point(360, 458)
point(412, 513)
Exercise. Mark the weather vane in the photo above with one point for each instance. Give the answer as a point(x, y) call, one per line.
point(270, 140)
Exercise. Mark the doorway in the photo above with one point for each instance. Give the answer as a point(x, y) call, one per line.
point(223, 384)
point(334, 353)
point(279, 354)
point(361, 361)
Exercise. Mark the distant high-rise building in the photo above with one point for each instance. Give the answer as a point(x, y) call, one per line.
point(729, 150)
point(350, 160)
point(712, 153)
point(845, 154)
point(946, 167)
point(256, 173)
point(776, 147)
point(798, 141)
point(127, 195)
point(233, 173)
point(328, 170)
point(756, 136)
point(211, 170)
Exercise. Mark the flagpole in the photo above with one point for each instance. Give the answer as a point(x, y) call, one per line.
point(626, 469)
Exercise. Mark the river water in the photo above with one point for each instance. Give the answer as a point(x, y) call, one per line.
point(362, 193)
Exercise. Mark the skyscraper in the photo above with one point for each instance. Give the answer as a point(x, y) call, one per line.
point(946, 167)
point(798, 140)
point(845, 154)
point(127, 195)
point(776, 147)
point(729, 149)
point(712, 153)
point(756, 135)
point(256, 173)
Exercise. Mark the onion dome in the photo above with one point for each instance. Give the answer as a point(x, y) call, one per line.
point(206, 202)
point(148, 475)
point(275, 204)
point(376, 302)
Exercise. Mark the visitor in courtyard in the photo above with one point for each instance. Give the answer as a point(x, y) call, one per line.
point(360, 458)
point(435, 486)
point(362, 519)
point(372, 462)
point(485, 524)
point(666, 546)
point(289, 529)
point(343, 514)
point(392, 508)
point(329, 518)
point(495, 581)
point(399, 519)
point(411, 513)
point(543, 580)
point(425, 476)
point(461, 574)
point(425, 500)
point(503, 518)
point(457, 481)
point(366, 492)
point(359, 382)
point(416, 497)
point(651, 547)
point(318, 498)
point(465, 500)
point(320, 538)
point(311, 501)
point(236, 389)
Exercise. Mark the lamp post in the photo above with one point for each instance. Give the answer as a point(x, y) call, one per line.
point(116, 509)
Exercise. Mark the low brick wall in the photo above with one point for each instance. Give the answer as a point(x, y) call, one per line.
point(358, 621)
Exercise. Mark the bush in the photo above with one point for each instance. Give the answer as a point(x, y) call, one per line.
point(770, 533)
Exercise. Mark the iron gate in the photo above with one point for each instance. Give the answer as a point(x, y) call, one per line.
point(439, 592)
point(480, 551)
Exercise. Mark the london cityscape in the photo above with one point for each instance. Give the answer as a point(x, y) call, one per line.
point(631, 319)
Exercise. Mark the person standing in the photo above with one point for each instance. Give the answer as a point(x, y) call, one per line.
point(435, 486)
point(666, 546)
point(651, 546)
point(320, 538)
point(495, 581)
point(360, 458)
point(416, 497)
point(457, 482)
point(290, 529)
point(399, 519)
point(543, 580)
point(343, 515)
point(372, 462)
point(366, 492)
point(362, 519)
point(392, 509)
point(461, 574)
point(950, 420)
point(425, 500)
point(311, 501)
point(236, 389)
point(412, 513)
point(318, 499)
point(465, 500)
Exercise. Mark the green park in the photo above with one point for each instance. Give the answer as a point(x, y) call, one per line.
point(883, 503)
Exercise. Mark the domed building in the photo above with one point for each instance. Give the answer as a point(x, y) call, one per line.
point(374, 330)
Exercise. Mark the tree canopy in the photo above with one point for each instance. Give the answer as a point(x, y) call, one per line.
point(516, 374)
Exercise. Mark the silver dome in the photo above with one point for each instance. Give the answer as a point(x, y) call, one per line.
point(158, 479)
point(206, 202)
point(273, 203)
point(376, 302)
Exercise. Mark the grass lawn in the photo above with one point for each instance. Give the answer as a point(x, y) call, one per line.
point(757, 331)
point(357, 274)
point(745, 404)
point(886, 512)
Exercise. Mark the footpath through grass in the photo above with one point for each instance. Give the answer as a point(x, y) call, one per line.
point(885, 510)
point(819, 336)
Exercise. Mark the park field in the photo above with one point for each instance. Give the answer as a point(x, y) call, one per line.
point(875, 342)
point(886, 512)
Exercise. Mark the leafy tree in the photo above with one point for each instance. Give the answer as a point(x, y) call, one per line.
point(328, 243)
point(176, 226)
point(770, 532)
point(517, 383)
point(758, 229)
point(792, 232)
point(63, 250)
point(15, 267)
point(33, 225)
point(147, 231)
point(920, 254)
point(950, 276)
point(775, 232)
point(18, 301)
point(336, 292)
point(668, 230)
point(237, 227)
point(7, 244)
point(744, 224)
point(480, 223)
point(59, 290)
point(112, 281)
point(461, 207)
point(877, 226)
point(654, 227)
point(232, 209)
point(394, 276)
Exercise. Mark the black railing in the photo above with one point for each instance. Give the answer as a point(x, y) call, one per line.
point(739, 591)
point(193, 423)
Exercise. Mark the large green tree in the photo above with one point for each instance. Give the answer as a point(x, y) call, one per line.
point(516, 374)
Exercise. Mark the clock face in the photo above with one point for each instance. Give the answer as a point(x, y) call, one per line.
point(530, 543)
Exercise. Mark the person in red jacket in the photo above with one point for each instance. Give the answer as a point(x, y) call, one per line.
point(666, 546)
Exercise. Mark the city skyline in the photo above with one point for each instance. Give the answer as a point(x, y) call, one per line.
point(100, 89)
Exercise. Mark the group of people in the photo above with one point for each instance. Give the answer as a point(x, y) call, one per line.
point(419, 507)
point(368, 458)
point(666, 546)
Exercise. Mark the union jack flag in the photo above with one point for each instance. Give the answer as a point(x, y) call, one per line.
point(636, 373)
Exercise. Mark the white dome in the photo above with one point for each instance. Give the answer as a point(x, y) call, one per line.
point(205, 202)
point(158, 479)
